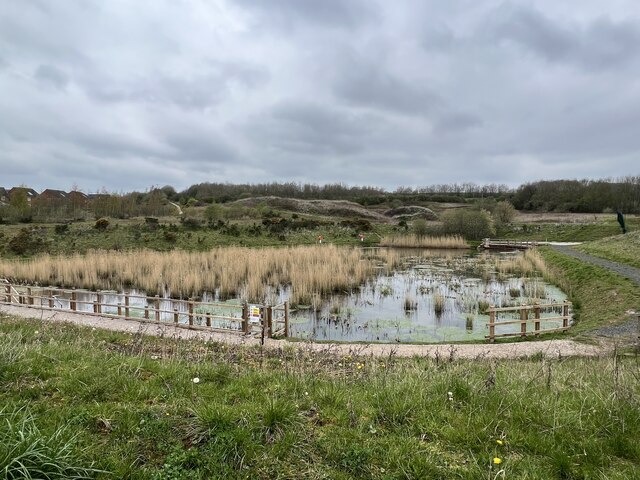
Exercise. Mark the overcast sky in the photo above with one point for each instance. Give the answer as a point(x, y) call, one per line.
point(126, 94)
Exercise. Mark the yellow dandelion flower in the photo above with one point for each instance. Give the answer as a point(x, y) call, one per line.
point(497, 461)
point(499, 442)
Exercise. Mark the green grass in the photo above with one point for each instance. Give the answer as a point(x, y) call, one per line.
point(128, 405)
point(620, 248)
point(568, 232)
point(600, 297)
point(135, 234)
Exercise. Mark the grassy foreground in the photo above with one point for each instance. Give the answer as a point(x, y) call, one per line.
point(80, 402)
point(620, 248)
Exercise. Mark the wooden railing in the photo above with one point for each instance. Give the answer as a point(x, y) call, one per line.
point(538, 320)
point(192, 314)
point(497, 244)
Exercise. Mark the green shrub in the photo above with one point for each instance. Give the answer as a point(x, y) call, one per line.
point(101, 224)
point(472, 224)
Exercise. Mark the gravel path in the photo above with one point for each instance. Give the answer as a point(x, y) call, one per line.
point(626, 271)
point(547, 348)
point(627, 329)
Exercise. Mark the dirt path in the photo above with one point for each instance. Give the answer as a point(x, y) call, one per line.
point(547, 348)
point(626, 271)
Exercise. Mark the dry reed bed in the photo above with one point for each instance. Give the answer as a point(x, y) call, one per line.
point(249, 273)
point(418, 241)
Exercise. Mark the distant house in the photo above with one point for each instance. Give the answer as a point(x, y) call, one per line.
point(3, 195)
point(77, 198)
point(53, 195)
point(30, 193)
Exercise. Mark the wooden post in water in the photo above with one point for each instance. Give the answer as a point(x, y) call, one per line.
point(207, 316)
point(523, 320)
point(190, 312)
point(175, 315)
point(245, 318)
point(72, 302)
point(157, 304)
point(536, 312)
point(565, 315)
point(492, 323)
point(126, 305)
point(99, 302)
point(286, 319)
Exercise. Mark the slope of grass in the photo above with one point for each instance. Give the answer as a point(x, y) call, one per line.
point(568, 232)
point(620, 248)
point(152, 408)
point(600, 297)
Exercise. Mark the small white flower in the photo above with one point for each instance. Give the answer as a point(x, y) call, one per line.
point(195, 380)
point(306, 394)
point(36, 332)
point(450, 396)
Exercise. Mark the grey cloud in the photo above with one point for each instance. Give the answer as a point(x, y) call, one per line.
point(456, 122)
point(363, 84)
point(52, 76)
point(310, 128)
point(189, 91)
point(332, 13)
point(600, 43)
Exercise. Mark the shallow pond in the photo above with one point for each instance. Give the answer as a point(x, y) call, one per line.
point(436, 296)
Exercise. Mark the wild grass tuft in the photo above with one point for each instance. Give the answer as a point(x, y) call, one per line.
point(28, 453)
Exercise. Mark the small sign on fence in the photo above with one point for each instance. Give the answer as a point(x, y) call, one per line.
point(254, 314)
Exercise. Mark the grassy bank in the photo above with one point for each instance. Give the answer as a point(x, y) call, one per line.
point(620, 248)
point(600, 297)
point(131, 406)
point(569, 232)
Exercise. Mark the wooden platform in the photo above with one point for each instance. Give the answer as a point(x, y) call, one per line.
point(495, 244)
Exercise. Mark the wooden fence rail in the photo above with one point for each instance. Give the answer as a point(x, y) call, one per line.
point(192, 314)
point(538, 319)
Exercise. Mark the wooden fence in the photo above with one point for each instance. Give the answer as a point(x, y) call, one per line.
point(192, 314)
point(540, 317)
point(497, 244)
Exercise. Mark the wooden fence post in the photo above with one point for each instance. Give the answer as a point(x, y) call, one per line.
point(146, 312)
point(269, 320)
point(207, 316)
point(245, 318)
point(523, 320)
point(72, 302)
point(565, 315)
point(51, 304)
point(95, 306)
point(157, 304)
point(190, 312)
point(126, 305)
point(8, 296)
point(119, 309)
point(175, 315)
point(536, 312)
point(29, 296)
point(492, 323)
point(99, 302)
point(286, 319)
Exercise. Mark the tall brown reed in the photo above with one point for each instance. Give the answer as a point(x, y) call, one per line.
point(415, 241)
point(233, 271)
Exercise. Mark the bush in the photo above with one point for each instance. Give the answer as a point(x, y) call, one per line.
point(472, 224)
point(61, 229)
point(27, 241)
point(419, 227)
point(503, 213)
point(102, 224)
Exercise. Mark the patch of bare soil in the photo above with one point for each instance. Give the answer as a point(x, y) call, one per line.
point(333, 208)
point(546, 348)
